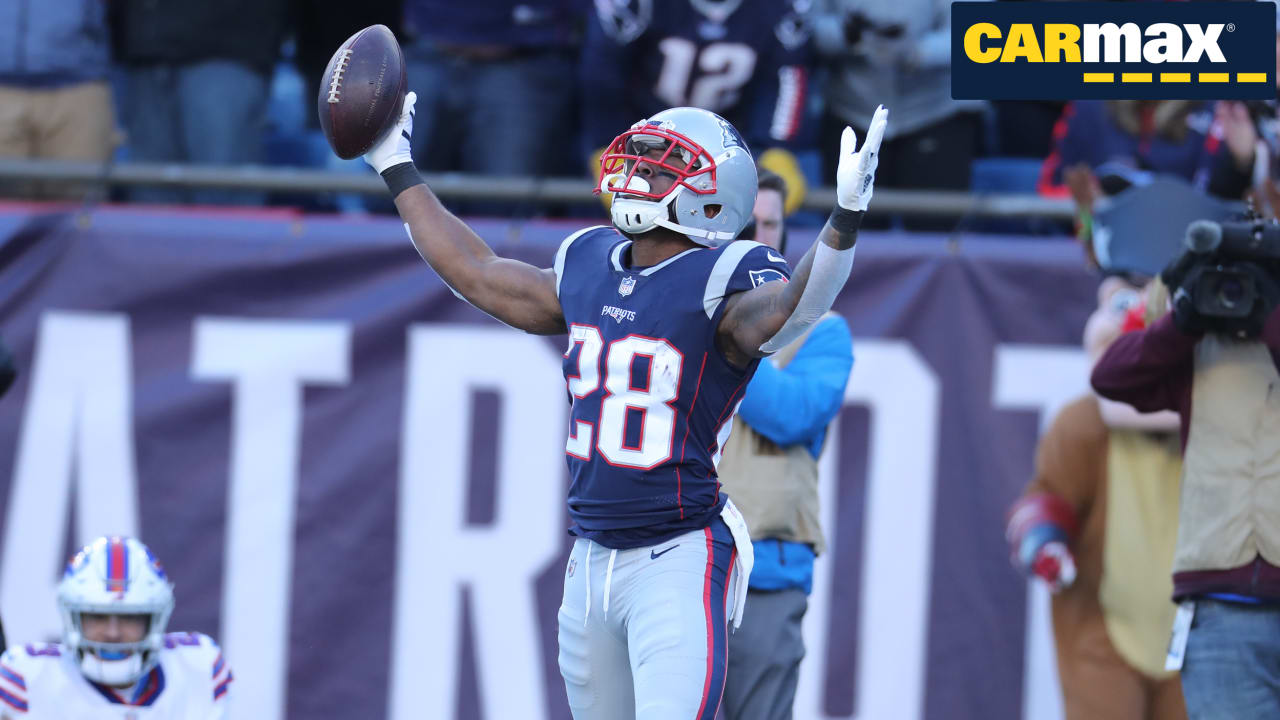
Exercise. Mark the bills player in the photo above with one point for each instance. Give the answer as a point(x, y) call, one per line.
point(667, 320)
point(116, 662)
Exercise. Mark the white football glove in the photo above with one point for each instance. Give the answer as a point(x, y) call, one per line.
point(857, 169)
point(394, 148)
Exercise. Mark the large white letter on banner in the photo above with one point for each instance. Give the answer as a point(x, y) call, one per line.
point(902, 392)
point(438, 552)
point(78, 415)
point(1040, 379)
point(268, 361)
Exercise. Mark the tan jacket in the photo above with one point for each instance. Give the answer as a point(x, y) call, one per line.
point(1231, 471)
point(775, 488)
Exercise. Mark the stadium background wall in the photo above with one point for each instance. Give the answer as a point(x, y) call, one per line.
point(357, 482)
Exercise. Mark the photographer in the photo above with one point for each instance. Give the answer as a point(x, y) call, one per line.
point(1214, 359)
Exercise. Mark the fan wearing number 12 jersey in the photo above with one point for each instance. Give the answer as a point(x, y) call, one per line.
point(747, 60)
point(667, 317)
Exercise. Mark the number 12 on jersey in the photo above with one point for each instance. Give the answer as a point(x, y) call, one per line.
point(654, 401)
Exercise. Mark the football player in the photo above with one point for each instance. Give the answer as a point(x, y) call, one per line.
point(667, 320)
point(115, 661)
point(746, 60)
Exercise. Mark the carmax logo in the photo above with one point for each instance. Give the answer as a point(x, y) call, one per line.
point(1053, 50)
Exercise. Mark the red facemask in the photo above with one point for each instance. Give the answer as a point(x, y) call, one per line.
point(621, 160)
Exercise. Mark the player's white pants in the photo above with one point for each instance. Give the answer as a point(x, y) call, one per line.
point(643, 631)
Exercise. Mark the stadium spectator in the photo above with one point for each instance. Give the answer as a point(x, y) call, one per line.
point(198, 73)
point(1120, 141)
point(320, 26)
point(897, 49)
point(1268, 127)
point(770, 469)
point(1097, 523)
point(1225, 570)
point(1103, 147)
point(1252, 131)
point(746, 60)
point(55, 101)
point(1024, 128)
point(492, 80)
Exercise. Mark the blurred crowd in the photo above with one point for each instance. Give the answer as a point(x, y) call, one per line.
point(538, 87)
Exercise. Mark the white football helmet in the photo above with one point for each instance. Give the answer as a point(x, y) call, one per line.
point(115, 576)
point(715, 177)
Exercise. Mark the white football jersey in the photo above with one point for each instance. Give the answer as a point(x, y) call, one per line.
point(44, 682)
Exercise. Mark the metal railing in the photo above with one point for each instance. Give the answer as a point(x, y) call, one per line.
point(458, 186)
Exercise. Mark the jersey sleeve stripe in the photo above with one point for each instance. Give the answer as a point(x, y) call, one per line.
point(558, 266)
point(12, 700)
point(9, 674)
point(221, 688)
point(722, 272)
point(218, 665)
point(788, 113)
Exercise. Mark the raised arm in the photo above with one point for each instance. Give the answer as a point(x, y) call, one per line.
point(1147, 368)
point(517, 293)
point(767, 318)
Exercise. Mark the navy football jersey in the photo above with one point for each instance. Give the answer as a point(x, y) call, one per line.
point(746, 60)
point(652, 396)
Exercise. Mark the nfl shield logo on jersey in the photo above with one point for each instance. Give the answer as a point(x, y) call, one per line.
point(628, 284)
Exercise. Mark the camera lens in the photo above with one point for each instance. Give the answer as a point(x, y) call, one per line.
point(1230, 293)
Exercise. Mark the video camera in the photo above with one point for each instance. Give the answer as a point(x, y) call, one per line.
point(1227, 280)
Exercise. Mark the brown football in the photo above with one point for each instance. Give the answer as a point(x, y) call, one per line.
point(362, 91)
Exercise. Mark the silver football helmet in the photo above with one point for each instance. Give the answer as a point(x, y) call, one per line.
point(115, 575)
point(715, 187)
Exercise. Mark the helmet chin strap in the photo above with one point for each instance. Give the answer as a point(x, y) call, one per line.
point(710, 235)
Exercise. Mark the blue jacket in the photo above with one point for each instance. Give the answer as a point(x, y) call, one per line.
point(793, 406)
point(46, 43)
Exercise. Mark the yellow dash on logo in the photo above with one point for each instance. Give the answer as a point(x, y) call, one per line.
point(1135, 77)
point(1099, 77)
point(1175, 77)
point(1251, 77)
point(1215, 77)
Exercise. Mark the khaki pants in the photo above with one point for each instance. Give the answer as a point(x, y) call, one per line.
point(75, 122)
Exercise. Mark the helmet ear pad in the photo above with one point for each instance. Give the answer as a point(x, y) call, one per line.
point(733, 197)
